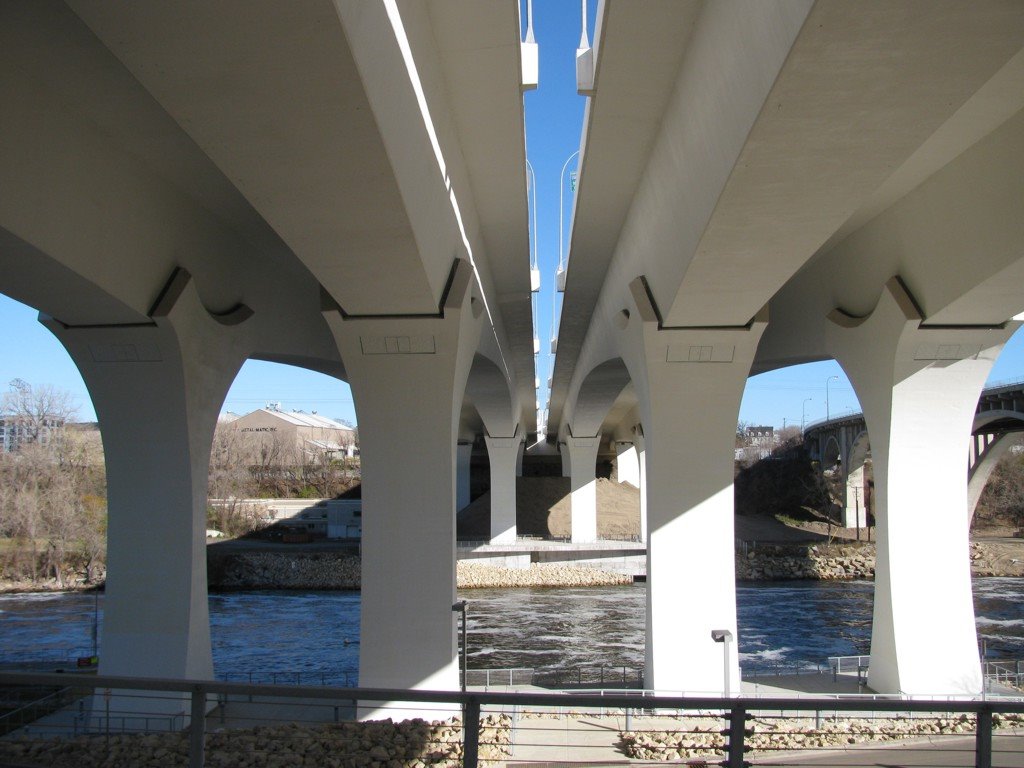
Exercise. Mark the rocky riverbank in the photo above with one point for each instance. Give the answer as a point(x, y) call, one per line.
point(475, 575)
point(242, 569)
point(322, 569)
point(857, 561)
point(283, 570)
point(702, 737)
point(789, 561)
point(374, 744)
point(328, 570)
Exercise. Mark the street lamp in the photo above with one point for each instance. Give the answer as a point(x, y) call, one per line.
point(560, 275)
point(460, 607)
point(803, 415)
point(723, 636)
point(830, 378)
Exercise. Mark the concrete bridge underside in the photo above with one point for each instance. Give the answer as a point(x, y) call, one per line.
point(341, 185)
point(795, 182)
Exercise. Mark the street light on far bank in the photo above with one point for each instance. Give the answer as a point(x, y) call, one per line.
point(460, 607)
point(803, 416)
point(829, 379)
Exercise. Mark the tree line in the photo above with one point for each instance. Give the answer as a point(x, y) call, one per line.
point(53, 494)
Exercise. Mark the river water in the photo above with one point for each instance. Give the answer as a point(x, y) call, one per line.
point(791, 624)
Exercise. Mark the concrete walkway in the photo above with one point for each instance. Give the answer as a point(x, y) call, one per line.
point(593, 740)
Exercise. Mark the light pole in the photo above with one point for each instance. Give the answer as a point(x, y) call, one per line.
point(723, 636)
point(460, 607)
point(830, 378)
point(561, 192)
point(803, 415)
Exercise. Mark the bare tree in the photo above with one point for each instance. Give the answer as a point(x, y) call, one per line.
point(1002, 501)
point(52, 488)
point(36, 411)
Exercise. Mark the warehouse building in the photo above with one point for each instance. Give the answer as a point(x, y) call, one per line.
point(310, 433)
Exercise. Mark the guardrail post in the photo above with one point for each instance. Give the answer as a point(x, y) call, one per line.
point(514, 728)
point(737, 726)
point(470, 732)
point(983, 739)
point(197, 729)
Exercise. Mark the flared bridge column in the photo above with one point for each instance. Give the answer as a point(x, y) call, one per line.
point(627, 465)
point(694, 383)
point(583, 480)
point(157, 389)
point(503, 455)
point(408, 378)
point(919, 388)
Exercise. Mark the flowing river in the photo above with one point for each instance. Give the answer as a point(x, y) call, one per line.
point(792, 624)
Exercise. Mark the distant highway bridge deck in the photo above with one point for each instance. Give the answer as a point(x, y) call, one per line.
point(842, 443)
point(342, 185)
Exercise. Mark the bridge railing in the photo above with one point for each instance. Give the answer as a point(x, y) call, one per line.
point(993, 388)
point(234, 721)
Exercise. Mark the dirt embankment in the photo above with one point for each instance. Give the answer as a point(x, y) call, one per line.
point(543, 509)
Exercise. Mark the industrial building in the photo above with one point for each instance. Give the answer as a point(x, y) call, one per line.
point(310, 433)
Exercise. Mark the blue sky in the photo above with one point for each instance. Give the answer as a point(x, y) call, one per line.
point(554, 118)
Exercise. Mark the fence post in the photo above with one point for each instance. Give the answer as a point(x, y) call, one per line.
point(737, 724)
point(197, 729)
point(470, 732)
point(983, 739)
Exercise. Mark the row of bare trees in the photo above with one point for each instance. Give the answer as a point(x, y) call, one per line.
point(275, 465)
point(52, 488)
point(53, 507)
point(1002, 502)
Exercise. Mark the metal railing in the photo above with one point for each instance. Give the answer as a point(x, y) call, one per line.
point(290, 721)
point(344, 679)
point(1006, 672)
point(41, 701)
point(619, 677)
point(848, 664)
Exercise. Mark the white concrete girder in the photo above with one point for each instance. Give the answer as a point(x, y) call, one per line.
point(919, 388)
point(158, 389)
point(408, 378)
point(503, 454)
point(690, 382)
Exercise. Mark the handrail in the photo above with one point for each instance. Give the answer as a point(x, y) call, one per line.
point(29, 712)
point(734, 710)
point(1013, 704)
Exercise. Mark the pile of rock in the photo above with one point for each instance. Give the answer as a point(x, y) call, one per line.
point(278, 570)
point(699, 738)
point(477, 575)
point(375, 744)
point(782, 561)
point(992, 558)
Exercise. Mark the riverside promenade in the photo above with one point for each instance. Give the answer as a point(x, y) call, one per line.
point(597, 739)
point(806, 719)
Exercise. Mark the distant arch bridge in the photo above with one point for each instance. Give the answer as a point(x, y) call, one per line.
point(843, 442)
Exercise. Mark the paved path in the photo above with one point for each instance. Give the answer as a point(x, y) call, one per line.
point(594, 740)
